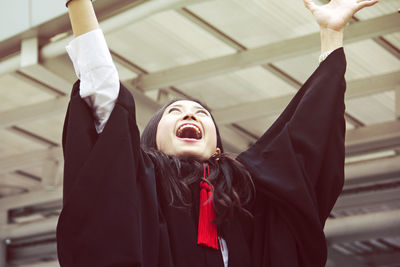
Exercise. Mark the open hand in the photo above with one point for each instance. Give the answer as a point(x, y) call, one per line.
point(336, 13)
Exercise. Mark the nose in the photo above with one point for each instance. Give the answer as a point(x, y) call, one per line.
point(189, 117)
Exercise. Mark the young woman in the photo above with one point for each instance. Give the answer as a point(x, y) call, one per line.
point(174, 198)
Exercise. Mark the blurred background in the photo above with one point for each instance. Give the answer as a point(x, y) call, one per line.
point(244, 59)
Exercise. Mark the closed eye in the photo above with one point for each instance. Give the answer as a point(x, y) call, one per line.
point(202, 111)
point(174, 109)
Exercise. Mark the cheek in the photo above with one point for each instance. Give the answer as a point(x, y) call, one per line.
point(162, 136)
point(212, 137)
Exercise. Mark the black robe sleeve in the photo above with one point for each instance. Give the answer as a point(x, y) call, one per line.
point(110, 213)
point(298, 170)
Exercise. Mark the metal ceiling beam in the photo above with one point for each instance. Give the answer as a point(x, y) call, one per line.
point(382, 259)
point(363, 227)
point(33, 112)
point(337, 259)
point(28, 229)
point(372, 171)
point(271, 106)
point(356, 172)
point(32, 198)
point(375, 137)
point(370, 198)
point(275, 105)
point(42, 75)
point(122, 19)
point(268, 53)
point(25, 160)
point(397, 102)
point(345, 229)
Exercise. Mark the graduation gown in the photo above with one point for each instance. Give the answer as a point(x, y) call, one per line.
point(114, 214)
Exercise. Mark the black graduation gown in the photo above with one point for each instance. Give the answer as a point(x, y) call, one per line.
point(113, 214)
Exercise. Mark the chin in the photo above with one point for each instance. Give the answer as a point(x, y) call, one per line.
point(192, 155)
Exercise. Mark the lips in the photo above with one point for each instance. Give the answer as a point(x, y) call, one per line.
point(189, 130)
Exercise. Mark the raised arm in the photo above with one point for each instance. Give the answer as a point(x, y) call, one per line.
point(98, 77)
point(332, 18)
point(82, 16)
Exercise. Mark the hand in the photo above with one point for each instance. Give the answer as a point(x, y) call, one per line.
point(336, 13)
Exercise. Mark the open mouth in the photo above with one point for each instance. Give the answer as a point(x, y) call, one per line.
point(189, 130)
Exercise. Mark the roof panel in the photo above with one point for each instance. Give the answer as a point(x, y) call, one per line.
point(13, 144)
point(165, 40)
point(367, 58)
point(394, 39)
point(258, 126)
point(250, 84)
point(49, 128)
point(16, 93)
point(255, 23)
point(381, 8)
point(372, 109)
point(12, 183)
point(364, 58)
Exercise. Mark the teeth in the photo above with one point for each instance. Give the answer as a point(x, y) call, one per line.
point(189, 126)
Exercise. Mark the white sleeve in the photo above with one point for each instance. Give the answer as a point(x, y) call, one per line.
point(99, 80)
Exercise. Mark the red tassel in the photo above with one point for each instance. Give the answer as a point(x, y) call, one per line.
point(207, 232)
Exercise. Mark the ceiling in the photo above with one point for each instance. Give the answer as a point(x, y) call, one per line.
point(245, 60)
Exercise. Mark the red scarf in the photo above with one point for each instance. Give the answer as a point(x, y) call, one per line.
point(207, 231)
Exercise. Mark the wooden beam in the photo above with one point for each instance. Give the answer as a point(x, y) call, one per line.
point(265, 54)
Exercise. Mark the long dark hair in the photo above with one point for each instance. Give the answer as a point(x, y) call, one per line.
point(233, 186)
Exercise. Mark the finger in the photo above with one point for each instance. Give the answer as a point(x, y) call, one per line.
point(365, 3)
point(310, 5)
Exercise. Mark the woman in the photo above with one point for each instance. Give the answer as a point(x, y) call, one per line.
point(174, 198)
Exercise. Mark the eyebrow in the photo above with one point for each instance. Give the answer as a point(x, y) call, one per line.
point(180, 106)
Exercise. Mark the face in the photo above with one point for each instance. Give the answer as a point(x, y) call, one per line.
point(186, 130)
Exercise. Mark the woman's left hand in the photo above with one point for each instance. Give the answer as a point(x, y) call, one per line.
point(336, 13)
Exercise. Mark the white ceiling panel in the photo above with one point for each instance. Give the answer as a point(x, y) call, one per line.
point(49, 128)
point(372, 109)
point(124, 73)
point(36, 170)
point(394, 39)
point(165, 40)
point(367, 58)
point(258, 125)
point(15, 93)
point(383, 7)
point(257, 22)
point(12, 183)
point(245, 85)
point(15, 179)
point(16, 144)
point(364, 59)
